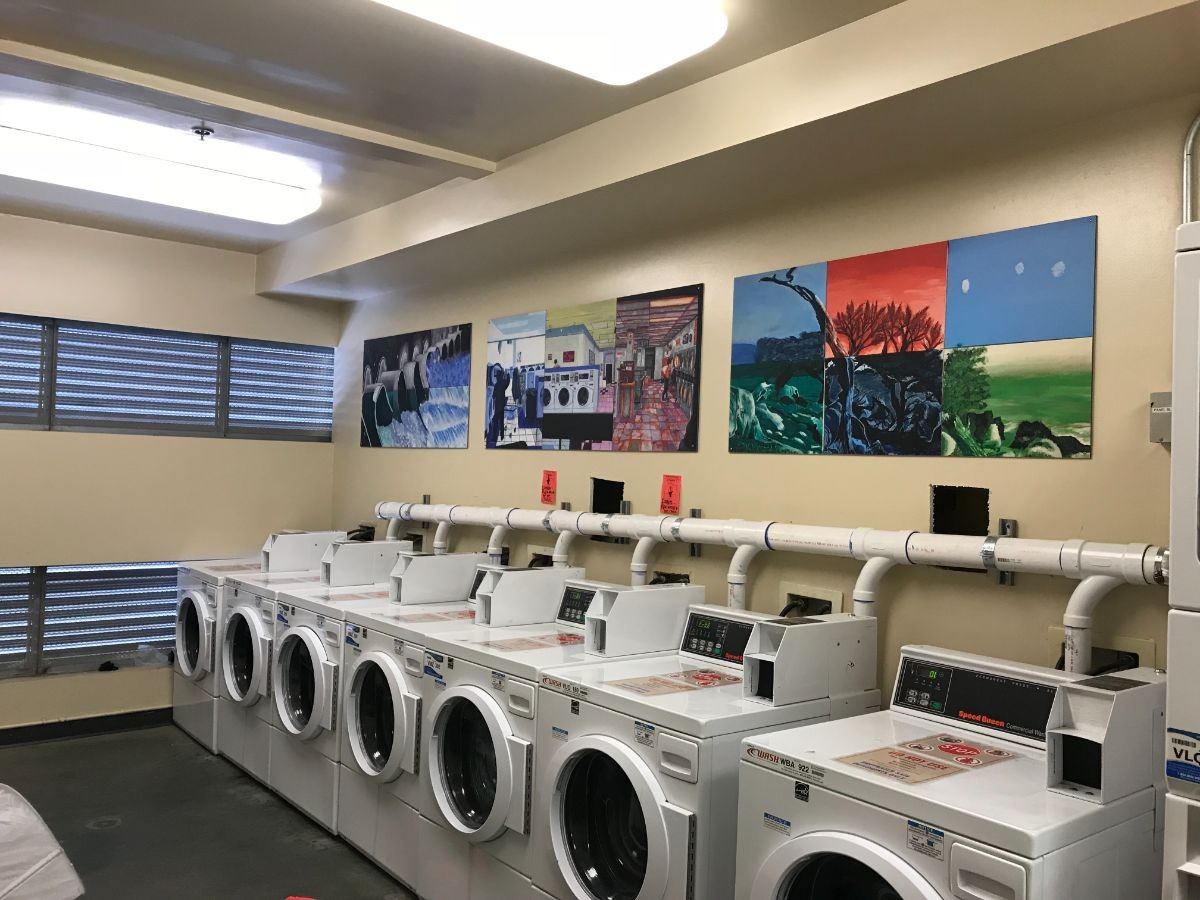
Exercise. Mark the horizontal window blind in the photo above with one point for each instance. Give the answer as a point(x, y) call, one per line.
point(16, 614)
point(96, 613)
point(280, 390)
point(23, 364)
point(125, 379)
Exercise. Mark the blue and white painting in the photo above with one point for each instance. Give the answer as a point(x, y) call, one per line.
point(417, 389)
point(516, 372)
point(1016, 287)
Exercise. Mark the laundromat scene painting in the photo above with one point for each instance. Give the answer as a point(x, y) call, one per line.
point(417, 389)
point(609, 375)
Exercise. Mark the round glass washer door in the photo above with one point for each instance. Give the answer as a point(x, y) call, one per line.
point(193, 636)
point(831, 865)
point(477, 766)
point(303, 683)
point(378, 717)
point(244, 657)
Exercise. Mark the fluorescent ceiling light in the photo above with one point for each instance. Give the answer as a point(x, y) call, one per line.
point(614, 41)
point(92, 151)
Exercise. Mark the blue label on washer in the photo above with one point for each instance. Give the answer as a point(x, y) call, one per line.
point(1183, 755)
point(777, 823)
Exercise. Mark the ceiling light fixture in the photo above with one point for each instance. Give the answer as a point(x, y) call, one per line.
point(614, 41)
point(92, 151)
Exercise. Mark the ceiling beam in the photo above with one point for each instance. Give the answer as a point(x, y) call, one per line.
point(89, 74)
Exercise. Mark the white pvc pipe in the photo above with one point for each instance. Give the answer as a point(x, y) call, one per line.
point(867, 585)
point(393, 529)
point(640, 565)
point(736, 577)
point(562, 548)
point(495, 547)
point(441, 539)
point(1077, 622)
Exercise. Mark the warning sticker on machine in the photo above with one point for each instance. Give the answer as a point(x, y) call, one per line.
point(777, 823)
point(643, 733)
point(1183, 755)
point(533, 642)
point(675, 682)
point(426, 618)
point(926, 839)
point(925, 759)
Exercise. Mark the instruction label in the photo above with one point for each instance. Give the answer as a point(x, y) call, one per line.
point(643, 733)
point(777, 823)
point(926, 759)
point(675, 682)
point(559, 734)
point(549, 487)
point(926, 839)
point(533, 642)
point(334, 596)
point(672, 491)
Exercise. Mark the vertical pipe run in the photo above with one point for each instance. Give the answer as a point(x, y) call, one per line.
point(1189, 150)
point(640, 564)
point(441, 539)
point(737, 574)
point(868, 584)
point(1077, 622)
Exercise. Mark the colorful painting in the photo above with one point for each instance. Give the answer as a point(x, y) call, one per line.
point(612, 375)
point(416, 389)
point(1007, 316)
point(1026, 400)
point(775, 399)
point(516, 368)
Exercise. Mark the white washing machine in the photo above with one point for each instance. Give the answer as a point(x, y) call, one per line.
point(637, 778)
point(986, 779)
point(202, 588)
point(306, 668)
point(482, 692)
point(382, 717)
point(245, 639)
point(586, 390)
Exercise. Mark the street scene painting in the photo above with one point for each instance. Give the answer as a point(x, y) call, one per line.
point(973, 347)
point(417, 389)
point(619, 374)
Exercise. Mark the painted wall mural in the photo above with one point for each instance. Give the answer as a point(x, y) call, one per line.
point(618, 374)
point(417, 389)
point(974, 347)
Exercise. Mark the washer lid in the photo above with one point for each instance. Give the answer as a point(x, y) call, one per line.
point(1004, 804)
point(304, 679)
point(245, 656)
point(382, 718)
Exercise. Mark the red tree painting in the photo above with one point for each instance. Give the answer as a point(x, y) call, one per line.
point(893, 302)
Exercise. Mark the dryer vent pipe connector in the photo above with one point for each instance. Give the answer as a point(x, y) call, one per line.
point(1189, 170)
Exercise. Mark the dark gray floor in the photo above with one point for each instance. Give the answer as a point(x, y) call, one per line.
point(151, 814)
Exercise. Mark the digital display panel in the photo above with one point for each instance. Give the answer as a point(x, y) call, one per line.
point(716, 638)
point(997, 702)
point(575, 604)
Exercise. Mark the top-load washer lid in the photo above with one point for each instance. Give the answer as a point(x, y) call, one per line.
point(837, 866)
point(194, 635)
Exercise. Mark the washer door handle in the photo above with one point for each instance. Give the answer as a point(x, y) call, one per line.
point(520, 752)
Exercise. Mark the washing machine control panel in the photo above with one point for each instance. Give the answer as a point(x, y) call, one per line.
point(574, 604)
point(986, 699)
point(716, 637)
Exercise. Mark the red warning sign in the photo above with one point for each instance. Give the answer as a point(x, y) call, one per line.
point(672, 491)
point(549, 487)
point(959, 749)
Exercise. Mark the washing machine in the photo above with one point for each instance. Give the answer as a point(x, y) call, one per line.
point(245, 712)
point(202, 588)
point(637, 773)
point(586, 390)
point(482, 691)
point(380, 765)
point(986, 779)
point(304, 743)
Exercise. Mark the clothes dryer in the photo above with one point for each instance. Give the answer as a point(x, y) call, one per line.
point(985, 779)
point(636, 776)
point(202, 595)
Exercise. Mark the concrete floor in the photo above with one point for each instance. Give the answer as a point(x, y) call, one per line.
point(150, 814)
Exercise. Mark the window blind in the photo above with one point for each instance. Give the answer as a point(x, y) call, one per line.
point(280, 390)
point(23, 366)
point(112, 378)
point(96, 613)
point(16, 614)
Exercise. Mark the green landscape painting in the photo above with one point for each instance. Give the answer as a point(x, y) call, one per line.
point(776, 407)
point(1029, 400)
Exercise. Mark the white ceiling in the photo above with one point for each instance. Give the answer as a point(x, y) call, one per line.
point(351, 61)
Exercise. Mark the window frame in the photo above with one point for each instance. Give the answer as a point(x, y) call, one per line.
point(321, 436)
point(46, 399)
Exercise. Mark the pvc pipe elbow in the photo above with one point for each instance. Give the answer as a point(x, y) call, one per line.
point(441, 539)
point(740, 563)
point(562, 548)
point(1081, 608)
point(867, 585)
point(495, 546)
point(642, 553)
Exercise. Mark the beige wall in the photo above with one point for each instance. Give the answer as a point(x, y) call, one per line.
point(1123, 169)
point(84, 695)
point(79, 498)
